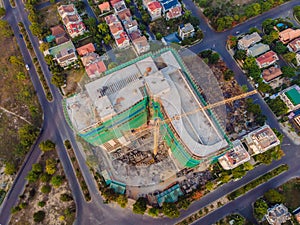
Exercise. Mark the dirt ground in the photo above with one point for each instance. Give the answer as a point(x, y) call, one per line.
point(291, 191)
point(16, 95)
point(58, 212)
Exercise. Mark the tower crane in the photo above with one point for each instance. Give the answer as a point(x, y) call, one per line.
point(158, 122)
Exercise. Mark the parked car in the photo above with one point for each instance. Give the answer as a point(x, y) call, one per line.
point(27, 67)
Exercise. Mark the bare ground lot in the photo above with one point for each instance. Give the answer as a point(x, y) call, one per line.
point(57, 211)
point(16, 95)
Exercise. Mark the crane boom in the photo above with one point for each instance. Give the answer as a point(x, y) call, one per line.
point(225, 101)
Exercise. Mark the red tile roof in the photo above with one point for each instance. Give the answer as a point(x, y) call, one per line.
point(267, 58)
point(123, 37)
point(85, 49)
point(152, 6)
point(113, 2)
point(93, 68)
point(104, 6)
point(111, 19)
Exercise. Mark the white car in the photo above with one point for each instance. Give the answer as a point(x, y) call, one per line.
point(27, 67)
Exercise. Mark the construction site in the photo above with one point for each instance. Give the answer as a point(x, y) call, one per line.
point(150, 117)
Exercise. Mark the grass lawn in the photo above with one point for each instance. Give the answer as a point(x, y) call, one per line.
point(291, 191)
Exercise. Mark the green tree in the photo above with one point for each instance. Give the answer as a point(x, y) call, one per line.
point(260, 209)
point(51, 166)
point(240, 54)
point(122, 200)
point(268, 39)
point(274, 197)
point(278, 106)
point(289, 56)
point(112, 65)
point(47, 145)
point(280, 48)
point(32, 176)
point(46, 189)
point(153, 212)
point(56, 181)
point(37, 168)
point(107, 39)
point(44, 46)
point(158, 36)
point(5, 30)
point(45, 177)
point(140, 206)
point(58, 79)
point(263, 87)
point(41, 204)
point(65, 197)
point(103, 28)
point(288, 71)
point(213, 58)
point(170, 210)
point(36, 29)
point(39, 216)
point(10, 168)
point(2, 11)
point(16, 61)
point(253, 10)
point(228, 74)
point(209, 186)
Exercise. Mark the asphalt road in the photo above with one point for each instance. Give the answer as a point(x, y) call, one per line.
point(56, 128)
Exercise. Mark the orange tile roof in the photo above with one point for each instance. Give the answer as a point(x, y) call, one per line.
point(271, 73)
point(123, 37)
point(113, 2)
point(93, 68)
point(115, 28)
point(85, 49)
point(289, 34)
point(104, 6)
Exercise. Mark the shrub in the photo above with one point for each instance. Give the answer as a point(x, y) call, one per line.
point(140, 206)
point(41, 203)
point(66, 197)
point(46, 189)
point(39, 216)
point(56, 181)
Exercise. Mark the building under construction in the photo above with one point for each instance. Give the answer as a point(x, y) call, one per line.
point(130, 97)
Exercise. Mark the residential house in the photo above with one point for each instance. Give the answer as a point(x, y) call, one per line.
point(185, 31)
point(250, 39)
point(85, 49)
point(261, 140)
point(60, 34)
point(141, 44)
point(89, 58)
point(291, 97)
point(168, 4)
point(288, 35)
point(271, 73)
point(118, 5)
point(125, 16)
point(104, 7)
point(116, 29)
point(294, 46)
point(64, 54)
point(154, 8)
point(278, 214)
point(266, 59)
point(131, 26)
point(71, 20)
point(234, 157)
point(174, 13)
point(110, 19)
point(295, 119)
point(122, 40)
point(257, 49)
point(95, 69)
point(135, 34)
